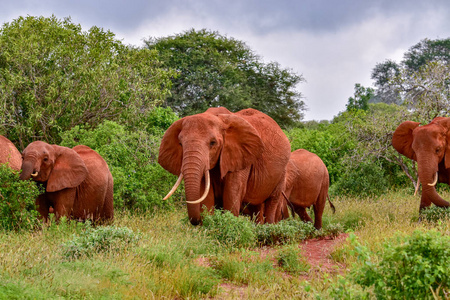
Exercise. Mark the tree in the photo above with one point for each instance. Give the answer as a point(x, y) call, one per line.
point(390, 77)
point(214, 70)
point(54, 76)
point(360, 99)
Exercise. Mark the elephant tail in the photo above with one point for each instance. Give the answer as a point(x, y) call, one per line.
point(331, 204)
point(291, 206)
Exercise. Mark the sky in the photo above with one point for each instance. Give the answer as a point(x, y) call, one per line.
point(332, 44)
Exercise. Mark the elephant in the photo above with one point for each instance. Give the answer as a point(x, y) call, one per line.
point(78, 183)
point(307, 183)
point(429, 146)
point(227, 159)
point(9, 154)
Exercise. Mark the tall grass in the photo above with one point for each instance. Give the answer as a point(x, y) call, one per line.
point(161, 255)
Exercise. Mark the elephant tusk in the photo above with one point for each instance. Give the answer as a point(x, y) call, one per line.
point(35, 174)
point(206, 190)
point(417, 187)
point(435, 180)
point(174, 188)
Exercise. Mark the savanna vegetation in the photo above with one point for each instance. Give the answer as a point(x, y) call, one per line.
point(67, 86)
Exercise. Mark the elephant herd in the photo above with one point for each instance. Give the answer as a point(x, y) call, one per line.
point(240, 162)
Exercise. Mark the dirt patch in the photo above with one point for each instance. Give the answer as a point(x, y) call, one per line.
point(317, 252)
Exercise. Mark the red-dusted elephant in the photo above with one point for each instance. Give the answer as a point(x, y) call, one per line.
point(77, 181)
point(227, 159)
point(429, 145)
point(307, 183)
point(9, 154)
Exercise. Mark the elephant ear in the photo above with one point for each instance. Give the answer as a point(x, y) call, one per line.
point(170, 152)
point(69, 170)
point(402, 139)
point(242, 145)
point(445, 122)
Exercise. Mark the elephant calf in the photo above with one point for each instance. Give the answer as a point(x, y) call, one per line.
point(78, 183)
point(307, 183)
point(9, 154)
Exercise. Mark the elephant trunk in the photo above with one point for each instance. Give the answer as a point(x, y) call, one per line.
point(193, 171)
point(429, 194)
point(27, 170)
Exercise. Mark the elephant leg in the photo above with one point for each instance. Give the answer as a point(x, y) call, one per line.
point(301, 211)
point(63, 203)
point(43, 207)
point(318, 212)
point(234, 190)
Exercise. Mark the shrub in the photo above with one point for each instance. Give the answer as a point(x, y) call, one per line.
point(230, 231)
point(285, 231)
point(101, 239)
point(411, 267)
point(17, 201)
point(290, 260)
point(139, 181)
point(435, 213)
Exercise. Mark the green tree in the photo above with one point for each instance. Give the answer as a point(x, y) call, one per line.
point(361, 98)
point(54, 76)
point(215, 70)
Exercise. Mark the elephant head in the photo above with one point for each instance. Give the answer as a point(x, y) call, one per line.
point(196, 144)
point(429, 145)
point(58, 167)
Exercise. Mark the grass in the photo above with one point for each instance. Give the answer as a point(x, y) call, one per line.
point(163, 256)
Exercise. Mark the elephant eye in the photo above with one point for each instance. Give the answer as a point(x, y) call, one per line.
point(45, 158)
point(212, 143)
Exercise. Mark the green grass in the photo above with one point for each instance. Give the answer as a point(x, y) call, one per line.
point(160, 255)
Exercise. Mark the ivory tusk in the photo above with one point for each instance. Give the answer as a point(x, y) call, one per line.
point(35, 174)
point(435, 180)
point(417, 187)
point(174, 188)
point(206, 190)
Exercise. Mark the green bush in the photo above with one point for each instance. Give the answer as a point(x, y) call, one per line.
point(290, 260)
point(101, 239)
point(366, 179)
point(285, 231)
point(230, 231)
point(139, 181)
point(17, 201)
point(411, 267)
point(435, 213)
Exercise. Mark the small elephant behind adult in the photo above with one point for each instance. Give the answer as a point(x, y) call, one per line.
point(9, 154)
point(307, 183)
point(78, 183)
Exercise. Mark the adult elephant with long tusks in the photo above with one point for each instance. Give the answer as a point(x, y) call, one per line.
point(429, 145)
point(77, 181)
point(9, 154)
point(226, 159)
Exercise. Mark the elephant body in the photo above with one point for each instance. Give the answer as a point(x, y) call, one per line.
point(307, 183)
point(429, 145)
point(244, 154)
point(9, 154)
point(77, 181)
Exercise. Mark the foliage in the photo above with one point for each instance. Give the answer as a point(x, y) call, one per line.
point(54, 76)
point(139, 181)
point(284, 232)
point(411, 267)
point(96, 240)
point(435, 214)
point(290, 259)
point(230, 231)
point(17, 201)
point(361, 98)
point(214, 70)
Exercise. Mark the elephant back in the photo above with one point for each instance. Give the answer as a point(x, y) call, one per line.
point(9, 154)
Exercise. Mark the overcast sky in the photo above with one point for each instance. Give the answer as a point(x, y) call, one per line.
point(333, 44)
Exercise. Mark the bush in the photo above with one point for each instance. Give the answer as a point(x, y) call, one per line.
point(139, 181)
point(285, 231)
point(290, 260)
point(230, 231)
point(101, 239)
point(17, 201)
point(435, 213)
point(412, 267)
